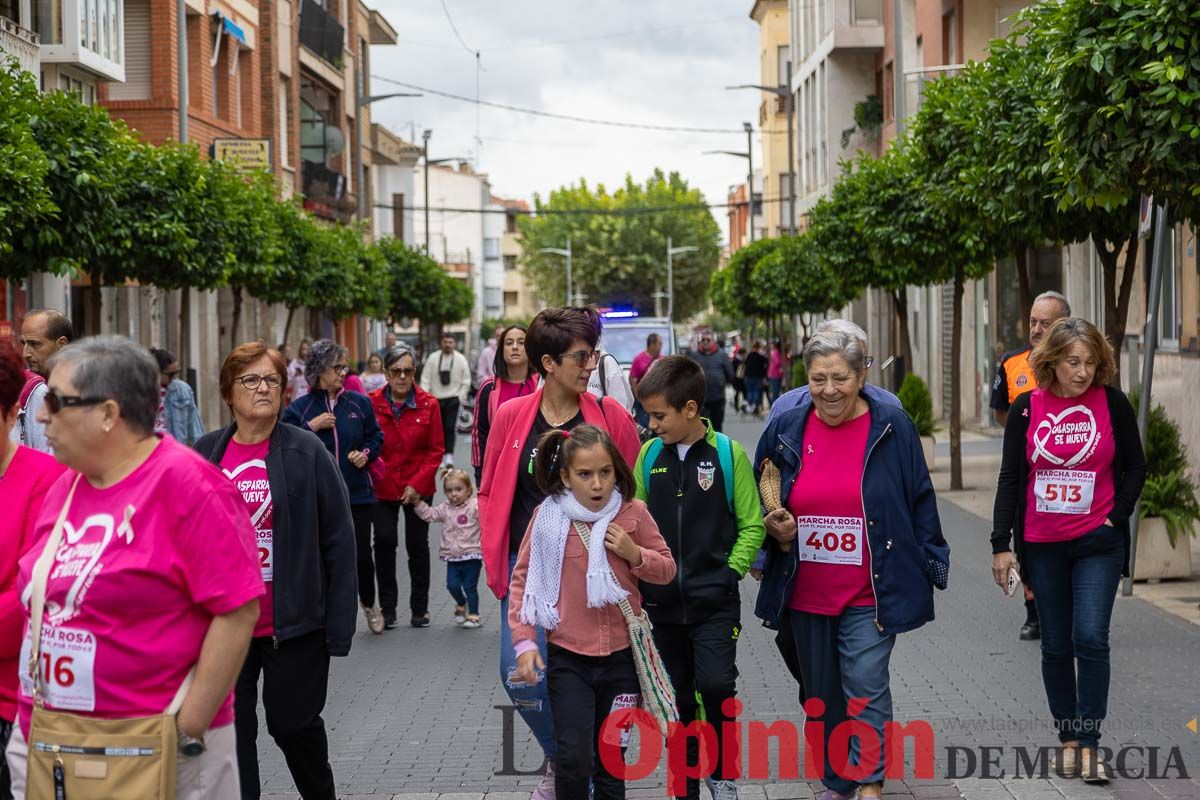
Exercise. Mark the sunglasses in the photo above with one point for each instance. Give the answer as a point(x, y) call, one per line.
point(402, 372)
point(342, 368)
point(56, 402)
point(581, 357)
point(252, 382)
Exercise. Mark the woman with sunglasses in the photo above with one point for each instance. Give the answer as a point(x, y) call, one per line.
point(344, 422)
point(561, 346)
point(413, 446)
point(301, 515)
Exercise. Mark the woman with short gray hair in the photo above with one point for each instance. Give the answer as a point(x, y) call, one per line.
point(148, 519)
point(855, 546)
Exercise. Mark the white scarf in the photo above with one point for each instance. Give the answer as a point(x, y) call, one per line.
point(549, 541)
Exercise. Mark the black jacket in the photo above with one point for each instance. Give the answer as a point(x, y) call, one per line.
point(315, 581)
point(718, 371)
point(1129, 473)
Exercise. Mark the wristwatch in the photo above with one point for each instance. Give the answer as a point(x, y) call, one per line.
point(189, 745)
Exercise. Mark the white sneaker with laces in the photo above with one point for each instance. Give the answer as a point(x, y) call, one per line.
point(545, 789)
point(723, 790)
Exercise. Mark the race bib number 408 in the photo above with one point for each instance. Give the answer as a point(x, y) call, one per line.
point(830, 540)
point(1064, 491)
point(67, 667)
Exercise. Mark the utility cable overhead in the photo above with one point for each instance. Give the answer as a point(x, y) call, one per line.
point(457, 35)
point(597, 212)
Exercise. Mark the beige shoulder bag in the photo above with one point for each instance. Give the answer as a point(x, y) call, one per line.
point(87, 758)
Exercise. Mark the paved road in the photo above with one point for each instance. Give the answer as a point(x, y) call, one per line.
point(411, 712)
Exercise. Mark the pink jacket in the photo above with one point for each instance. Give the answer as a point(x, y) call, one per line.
point(593, 631)
point(510, 427)
point(460, 528)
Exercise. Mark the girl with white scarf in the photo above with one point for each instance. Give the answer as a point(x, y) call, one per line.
point(573, 591)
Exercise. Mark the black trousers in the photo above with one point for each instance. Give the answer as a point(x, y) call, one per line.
point(449, 422)
point(416, 543)
point(5, 779)
point(582, 690)
point(785, 641)
point(715, 411)
point(295, 683)
point(702, 657)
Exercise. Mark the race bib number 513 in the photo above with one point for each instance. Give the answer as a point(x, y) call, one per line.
point(1064, 491)
point(830, 540)
point(67, 667)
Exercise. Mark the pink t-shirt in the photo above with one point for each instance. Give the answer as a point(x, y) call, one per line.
point(246, 466)
point(143, 568)
point(641, 365)
point(775, 365)
point(835, 562)
point(1070, 451)
point(509, 390)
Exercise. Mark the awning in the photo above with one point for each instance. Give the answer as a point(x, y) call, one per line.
point(233, 30)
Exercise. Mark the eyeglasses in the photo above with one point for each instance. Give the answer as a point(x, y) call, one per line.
point(252, 382)
point(56, 402)
point(581, 357)
point(342, 368)
point(402, 372)
point(869, 362)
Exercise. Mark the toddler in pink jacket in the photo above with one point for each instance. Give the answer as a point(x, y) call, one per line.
point(460, 548)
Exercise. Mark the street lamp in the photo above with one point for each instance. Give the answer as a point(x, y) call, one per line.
point(671, 253)
point(561, 252)
point(786, 93)
point(749, 156)
point(425, 142)
point(360, 176)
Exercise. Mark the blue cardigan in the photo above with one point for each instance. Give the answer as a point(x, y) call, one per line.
point(908, 554)
point(356, 429)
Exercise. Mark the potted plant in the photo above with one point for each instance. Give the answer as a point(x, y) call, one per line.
point(1169, 508)
point(918, 403)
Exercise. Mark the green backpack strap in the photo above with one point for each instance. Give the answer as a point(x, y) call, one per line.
point(653, 448)
point(725, 457)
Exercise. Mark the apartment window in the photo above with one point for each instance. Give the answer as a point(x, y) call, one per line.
point(491, 248)
point(398, 217)
point(950, 48)
point(889, 92)
point(510, 264)
point(312, 134)
point(285, 90)
point(493, 297)
point(137, 85)
point(48, 20)
point(867, 12)
point(510, 301)
point(783, 59)
point(510, 223)
point(1168, 312)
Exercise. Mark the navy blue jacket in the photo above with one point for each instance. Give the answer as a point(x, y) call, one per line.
point(356, 429)
point(908, 554)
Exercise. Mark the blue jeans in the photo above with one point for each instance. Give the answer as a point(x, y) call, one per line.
point(776, 386)
point(532, 702)
point(754, 387)
point(842, 658)
point(1075, 585)
point(462, 581)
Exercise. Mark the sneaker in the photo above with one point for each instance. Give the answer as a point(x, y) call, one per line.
point(1068, 761)
point(460, 615)
point(389, 620)
point(472, 621)
point(1031, 630)
point(1092, 766)
point(545, 789)
point(374, 619)
point(420, 620)
point(722, 790)
point(448, 460)
point(830, 794)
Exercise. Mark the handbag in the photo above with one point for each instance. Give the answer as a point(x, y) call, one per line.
point(86, 758)
point(657, 691)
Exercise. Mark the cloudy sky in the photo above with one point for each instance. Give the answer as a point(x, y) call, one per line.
point(660, 62)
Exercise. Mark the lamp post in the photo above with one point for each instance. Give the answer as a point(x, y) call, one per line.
point(561, 252)
point(671, 253)
point(749, 156)
point(425, 153)
point(360, 170)
point(786, 93)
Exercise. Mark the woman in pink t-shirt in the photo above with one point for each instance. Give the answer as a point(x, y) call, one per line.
point(25, 476)
point(156, 575)
point(1070, 476)
point(855, 553)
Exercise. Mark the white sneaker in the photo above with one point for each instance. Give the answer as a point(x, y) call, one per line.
point(374, 619)
point(460, 615)
point(472, 622)
point(545, 789)
point(448, 460)
point(722, 790)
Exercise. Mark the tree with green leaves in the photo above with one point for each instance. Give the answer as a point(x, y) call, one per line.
point(620, 256)
point(420, 289)
point(26, 203)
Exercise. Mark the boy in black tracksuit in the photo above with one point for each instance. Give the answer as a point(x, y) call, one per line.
point(713, 524)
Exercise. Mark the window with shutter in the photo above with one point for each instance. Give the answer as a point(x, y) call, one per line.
point(137, 85)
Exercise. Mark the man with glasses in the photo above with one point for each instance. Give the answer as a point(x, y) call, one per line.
point(43, 333)
point(793, 398)
point(177, 412)
point(718, 373)
point(447, 376)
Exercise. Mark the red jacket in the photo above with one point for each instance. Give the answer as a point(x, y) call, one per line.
point(510, 428)
point(412, 446)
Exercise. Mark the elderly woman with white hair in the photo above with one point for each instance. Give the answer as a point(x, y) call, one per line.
point(156, 584)
point(857, 549)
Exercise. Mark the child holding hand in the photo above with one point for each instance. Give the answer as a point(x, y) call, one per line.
point(573, 591)
point(460, 548)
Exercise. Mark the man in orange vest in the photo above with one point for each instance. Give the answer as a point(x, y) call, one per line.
point(1013, 379)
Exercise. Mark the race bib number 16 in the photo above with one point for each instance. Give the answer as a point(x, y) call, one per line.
point(830, 540)
point(67, 667)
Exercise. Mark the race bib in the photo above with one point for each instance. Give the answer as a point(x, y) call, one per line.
point(620, 702)
point(67, 667)
point(266, 553)
point(1064, 491)
point(830, 540)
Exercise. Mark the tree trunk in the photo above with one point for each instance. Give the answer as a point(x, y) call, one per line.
point(237, 316)
point(956, 478)
point(185, 325)
point(1025, 289)
point(1116, 299)
point(287, 326)
point(900, 306)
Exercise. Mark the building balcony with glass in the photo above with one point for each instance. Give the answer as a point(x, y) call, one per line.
point(86, 34)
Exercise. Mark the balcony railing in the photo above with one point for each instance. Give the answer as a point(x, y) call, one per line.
point(325, 192)
point(19, 43)
point(321, 33)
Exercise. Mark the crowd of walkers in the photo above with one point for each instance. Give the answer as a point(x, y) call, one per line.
point(158, 581)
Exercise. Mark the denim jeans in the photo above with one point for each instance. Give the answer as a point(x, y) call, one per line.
point(843, 658)
point(532, 702)
point(754, 387)
point(1075, 585)
point(462, 581)
point(775, 386)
